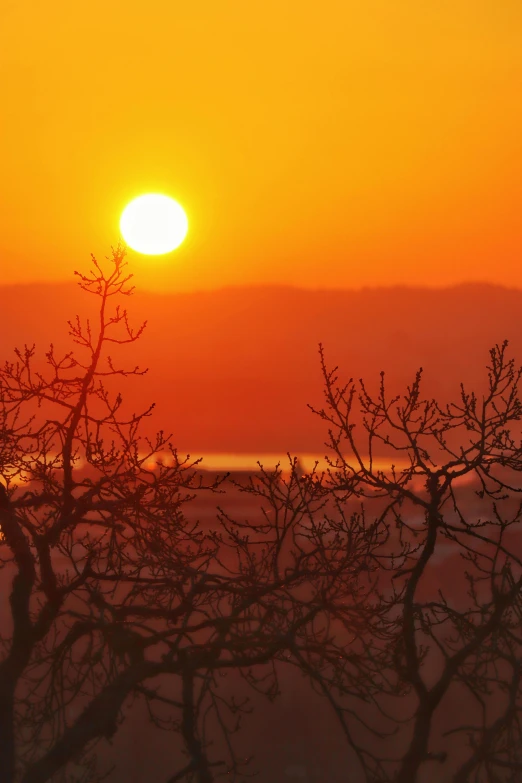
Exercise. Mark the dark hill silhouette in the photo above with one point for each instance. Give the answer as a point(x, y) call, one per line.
point(231, 370)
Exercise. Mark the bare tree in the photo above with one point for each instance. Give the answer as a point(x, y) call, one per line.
point(451, 655)
point(110, 593)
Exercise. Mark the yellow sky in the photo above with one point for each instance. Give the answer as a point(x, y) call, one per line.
point(329, 144)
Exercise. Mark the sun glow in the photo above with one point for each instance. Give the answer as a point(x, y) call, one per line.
point(154, 224)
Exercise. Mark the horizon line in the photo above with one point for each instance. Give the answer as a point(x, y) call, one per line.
point(285, 286)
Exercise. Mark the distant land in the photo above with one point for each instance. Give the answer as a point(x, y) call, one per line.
point(232, 370)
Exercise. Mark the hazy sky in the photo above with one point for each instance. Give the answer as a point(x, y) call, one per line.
point(328, 144)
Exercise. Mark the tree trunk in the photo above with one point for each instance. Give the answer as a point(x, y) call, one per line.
point(418, 751)
point(7, 740)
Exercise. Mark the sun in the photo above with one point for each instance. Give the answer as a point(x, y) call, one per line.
point(153, 224)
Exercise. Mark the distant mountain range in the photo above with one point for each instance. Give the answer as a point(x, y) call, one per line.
point(232, 370)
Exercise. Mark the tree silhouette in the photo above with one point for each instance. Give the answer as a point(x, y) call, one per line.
point(110, 593)
point(450, 646)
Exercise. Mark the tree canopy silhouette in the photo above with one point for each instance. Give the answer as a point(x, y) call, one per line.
point(451, 642)
point(392, 580)
point(110, 593)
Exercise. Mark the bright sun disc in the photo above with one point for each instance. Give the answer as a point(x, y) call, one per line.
point(154, 224)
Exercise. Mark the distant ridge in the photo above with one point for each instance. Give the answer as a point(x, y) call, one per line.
point(466, 284)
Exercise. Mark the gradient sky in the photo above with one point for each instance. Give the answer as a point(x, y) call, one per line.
point(321, 144)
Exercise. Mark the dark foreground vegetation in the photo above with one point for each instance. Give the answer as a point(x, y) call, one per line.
point(385, 602)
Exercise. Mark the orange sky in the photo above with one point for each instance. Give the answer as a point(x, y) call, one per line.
point(326, 144)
